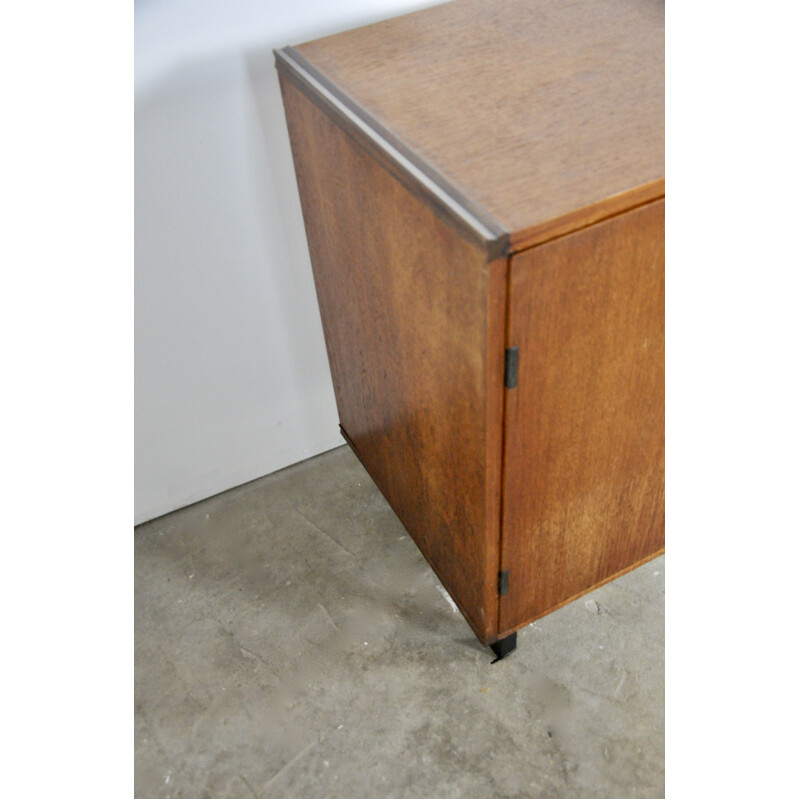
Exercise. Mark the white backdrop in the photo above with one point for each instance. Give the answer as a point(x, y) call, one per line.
point(232, 380)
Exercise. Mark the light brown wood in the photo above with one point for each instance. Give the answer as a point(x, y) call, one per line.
point(413, 319)
point(473, 177)
point(584, 436)
point(548, 114)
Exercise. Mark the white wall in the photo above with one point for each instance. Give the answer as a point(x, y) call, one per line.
point(232, 379)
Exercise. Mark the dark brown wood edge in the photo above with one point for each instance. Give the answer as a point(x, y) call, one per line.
point(484, 640)
point(416, 174)
point(501, 556)
point(585, 217)
point(498, 285)
point(574, 597)
point(611, 215)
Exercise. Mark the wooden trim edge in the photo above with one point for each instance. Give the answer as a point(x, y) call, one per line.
point(417, 174)
point(587, 216)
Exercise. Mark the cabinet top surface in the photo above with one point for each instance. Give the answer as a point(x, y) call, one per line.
point(537, 112)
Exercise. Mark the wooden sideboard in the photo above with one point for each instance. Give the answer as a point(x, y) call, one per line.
point(482, 186)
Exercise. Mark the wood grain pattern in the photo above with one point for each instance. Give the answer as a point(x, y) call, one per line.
point(584, 441)
point(548, 114)
point(413, 322)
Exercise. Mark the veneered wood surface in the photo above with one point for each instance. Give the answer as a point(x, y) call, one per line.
point(549, 114)
point(413, 322)
point(584, 440)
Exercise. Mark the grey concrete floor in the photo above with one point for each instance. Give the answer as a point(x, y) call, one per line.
point(291, 641)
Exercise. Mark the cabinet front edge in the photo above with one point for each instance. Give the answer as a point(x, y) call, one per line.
point(413, 171)
point(587, 216)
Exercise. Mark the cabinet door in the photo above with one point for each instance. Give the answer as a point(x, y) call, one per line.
point(583, 496)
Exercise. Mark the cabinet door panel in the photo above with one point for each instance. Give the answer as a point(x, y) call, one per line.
point(584, 439)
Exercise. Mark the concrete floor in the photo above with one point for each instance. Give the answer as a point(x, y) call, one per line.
point(291, 641)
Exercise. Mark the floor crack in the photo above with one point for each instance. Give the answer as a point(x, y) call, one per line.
point(244, 649)
point(247, 784)
point(328, 615)
point(326, 535)
point(287, 766)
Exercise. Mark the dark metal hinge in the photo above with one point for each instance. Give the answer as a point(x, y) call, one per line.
point(512, 365)
point(502, 583)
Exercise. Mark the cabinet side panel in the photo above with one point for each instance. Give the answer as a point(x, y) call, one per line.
point(405, 308)
point(584, 449)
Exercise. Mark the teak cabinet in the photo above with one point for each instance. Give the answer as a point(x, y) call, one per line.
point(482, 185)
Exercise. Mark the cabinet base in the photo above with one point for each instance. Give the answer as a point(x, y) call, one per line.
point(503, 647)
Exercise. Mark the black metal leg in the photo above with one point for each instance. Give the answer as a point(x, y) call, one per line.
point(502, 647)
